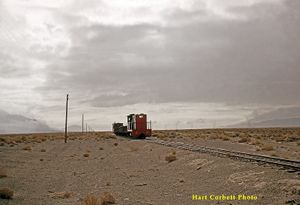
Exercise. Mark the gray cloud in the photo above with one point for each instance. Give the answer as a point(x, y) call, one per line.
point(213, 60)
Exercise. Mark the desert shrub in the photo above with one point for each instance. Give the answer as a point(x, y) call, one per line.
point(243, 140)
point(7, 140)
point(258, 137)
point(236, 135)
point(6, 193)
point(292, 138)
point(107, 198)
point(27, 148)
point(91, 200)
point(225, 138)
point(170, 158)
point(213, 137)
point(3, 173)
point(255, 142)
point(86, 155)
point(43, 150)
point(267, 147)
point(116, 144)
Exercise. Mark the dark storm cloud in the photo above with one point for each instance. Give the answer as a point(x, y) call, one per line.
point(213, 60)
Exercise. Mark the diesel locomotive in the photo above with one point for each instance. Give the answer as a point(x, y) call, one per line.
point(137, 127)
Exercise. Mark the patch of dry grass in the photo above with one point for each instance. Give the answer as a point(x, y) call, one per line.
point(6, 193)
point(60, 195)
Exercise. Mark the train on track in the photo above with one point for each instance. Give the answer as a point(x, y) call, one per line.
point(137, 127)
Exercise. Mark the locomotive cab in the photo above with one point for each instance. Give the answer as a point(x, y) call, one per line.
point(138, 126)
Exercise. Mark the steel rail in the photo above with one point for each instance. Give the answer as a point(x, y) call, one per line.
point(291, 165)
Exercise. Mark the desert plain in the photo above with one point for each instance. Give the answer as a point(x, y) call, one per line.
point(100, 168)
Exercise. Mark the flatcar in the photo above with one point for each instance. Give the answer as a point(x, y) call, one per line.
point(137, 127)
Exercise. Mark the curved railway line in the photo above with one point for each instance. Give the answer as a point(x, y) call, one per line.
point(289, 165)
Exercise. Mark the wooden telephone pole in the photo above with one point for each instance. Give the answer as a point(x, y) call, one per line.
point(82, 123)
point(66, 122)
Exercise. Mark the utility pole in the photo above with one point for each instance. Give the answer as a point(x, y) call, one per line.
point(66, 122)
point(82, 124)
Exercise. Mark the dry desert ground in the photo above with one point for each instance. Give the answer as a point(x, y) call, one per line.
point(100, 168)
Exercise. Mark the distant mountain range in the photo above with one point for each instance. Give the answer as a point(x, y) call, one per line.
point(10, 123)
point(282, 117)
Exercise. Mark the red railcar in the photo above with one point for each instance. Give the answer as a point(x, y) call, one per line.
point(137, 126)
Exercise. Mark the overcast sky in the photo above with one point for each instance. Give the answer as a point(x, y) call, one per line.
point(187, 63)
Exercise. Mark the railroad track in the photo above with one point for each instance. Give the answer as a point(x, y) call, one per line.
point(290, 165)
